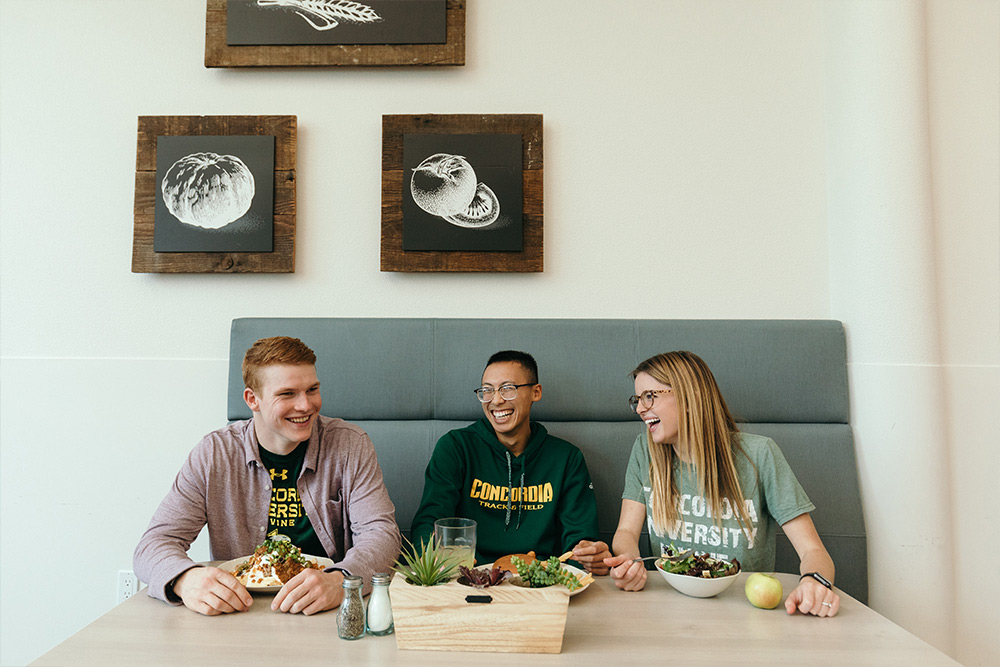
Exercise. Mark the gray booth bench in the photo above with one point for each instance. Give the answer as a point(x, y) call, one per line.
point(407, 381)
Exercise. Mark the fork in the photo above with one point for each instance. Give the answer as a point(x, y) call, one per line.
point(676, 557)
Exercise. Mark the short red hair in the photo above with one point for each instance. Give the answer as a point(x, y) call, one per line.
point(270, 351)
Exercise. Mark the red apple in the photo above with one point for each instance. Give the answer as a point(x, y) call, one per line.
point(763, 590)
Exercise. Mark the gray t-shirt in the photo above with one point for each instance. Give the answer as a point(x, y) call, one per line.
point(775, 500)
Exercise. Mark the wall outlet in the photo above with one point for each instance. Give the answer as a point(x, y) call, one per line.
point(128, 584)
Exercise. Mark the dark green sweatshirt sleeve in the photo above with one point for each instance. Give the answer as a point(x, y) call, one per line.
point(578, 504)
point(442, 488)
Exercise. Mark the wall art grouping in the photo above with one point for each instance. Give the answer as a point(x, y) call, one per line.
point(462, 193)
point(334, 33)
point(215, 194)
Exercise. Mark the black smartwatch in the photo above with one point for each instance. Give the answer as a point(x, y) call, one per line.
point(818, 577)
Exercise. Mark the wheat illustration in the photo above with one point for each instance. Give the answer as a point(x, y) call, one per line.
point(329, 13)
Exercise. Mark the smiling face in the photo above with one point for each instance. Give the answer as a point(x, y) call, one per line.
point(511, 419)
point(286, 407)
point(662, 417)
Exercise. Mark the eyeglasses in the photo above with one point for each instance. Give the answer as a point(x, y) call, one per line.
point(508, 392)
point(646, 398)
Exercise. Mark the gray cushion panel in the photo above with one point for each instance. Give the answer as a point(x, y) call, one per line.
point(403, 449)
point(771, 371)
point(606, 447)
point(583, 365)
point(768, 370)
point(359, 363)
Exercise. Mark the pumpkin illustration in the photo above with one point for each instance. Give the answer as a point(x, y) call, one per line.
point(208, 190)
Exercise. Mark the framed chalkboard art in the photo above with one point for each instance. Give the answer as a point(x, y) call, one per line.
point(334, 33)
point(215, 194)
point(462, 193)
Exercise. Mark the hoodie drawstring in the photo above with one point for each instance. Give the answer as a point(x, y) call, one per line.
point(510, 494)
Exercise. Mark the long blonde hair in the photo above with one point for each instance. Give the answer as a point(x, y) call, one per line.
point(708, 434)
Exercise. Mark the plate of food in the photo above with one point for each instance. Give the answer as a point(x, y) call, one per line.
point(546, 572)
point(271, 565)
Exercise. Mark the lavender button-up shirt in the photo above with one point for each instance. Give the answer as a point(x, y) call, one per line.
point(224, 484)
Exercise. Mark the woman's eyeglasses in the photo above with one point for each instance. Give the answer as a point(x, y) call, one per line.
point(646, 398)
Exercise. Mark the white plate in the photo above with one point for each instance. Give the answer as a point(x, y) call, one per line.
point(231, 565)
point(580, 574)
point(577, 572)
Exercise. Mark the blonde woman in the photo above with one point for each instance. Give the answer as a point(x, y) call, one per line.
point(701, 484)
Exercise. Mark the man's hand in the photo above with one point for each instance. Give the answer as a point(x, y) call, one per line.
point(812, 597)
point(211, 591)
point(591, 555)
point(309, 592)
point(627, 575)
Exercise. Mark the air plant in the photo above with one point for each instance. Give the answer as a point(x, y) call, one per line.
point(429, 566)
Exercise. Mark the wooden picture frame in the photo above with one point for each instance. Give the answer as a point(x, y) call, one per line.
point(395, 186)
point(218, 53)
point(280, 260)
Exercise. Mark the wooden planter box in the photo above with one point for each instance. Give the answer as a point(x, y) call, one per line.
point(518, 620)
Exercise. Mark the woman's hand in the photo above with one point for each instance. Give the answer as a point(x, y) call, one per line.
point(812, 597)
point(627, 575)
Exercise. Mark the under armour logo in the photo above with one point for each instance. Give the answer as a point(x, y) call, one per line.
point(283, 474)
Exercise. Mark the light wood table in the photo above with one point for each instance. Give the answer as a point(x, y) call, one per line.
point(605, 626)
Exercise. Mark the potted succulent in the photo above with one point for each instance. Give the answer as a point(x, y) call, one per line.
point(428, 566)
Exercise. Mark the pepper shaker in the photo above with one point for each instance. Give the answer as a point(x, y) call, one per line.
point(379, 606)
point(351, 618)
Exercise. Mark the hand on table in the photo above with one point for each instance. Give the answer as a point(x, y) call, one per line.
point(211, 591)
point(627, 575)
point(309, 592)
point(812, 597)
point(592, 556)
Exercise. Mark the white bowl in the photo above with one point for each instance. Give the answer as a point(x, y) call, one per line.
point(697, 587)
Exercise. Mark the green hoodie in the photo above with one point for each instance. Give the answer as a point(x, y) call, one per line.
point(541, 501)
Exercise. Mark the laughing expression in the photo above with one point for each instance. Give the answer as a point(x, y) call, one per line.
point(510, 419)
point(661, 418)
point(286, 407)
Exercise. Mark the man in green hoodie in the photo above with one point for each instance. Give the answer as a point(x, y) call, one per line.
point(526, 490)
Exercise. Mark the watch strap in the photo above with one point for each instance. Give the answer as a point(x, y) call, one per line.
point(818, 577)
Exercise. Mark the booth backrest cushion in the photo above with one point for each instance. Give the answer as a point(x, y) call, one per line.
point(407, 381)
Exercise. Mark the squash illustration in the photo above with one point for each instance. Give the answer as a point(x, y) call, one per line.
point(208, 190)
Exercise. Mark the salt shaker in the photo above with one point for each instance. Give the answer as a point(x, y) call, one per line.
point(379, 606)
point(351, 618)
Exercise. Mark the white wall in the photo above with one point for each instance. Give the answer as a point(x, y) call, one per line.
point(688, 146)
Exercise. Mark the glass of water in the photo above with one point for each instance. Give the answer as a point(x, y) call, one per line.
point(457, 536)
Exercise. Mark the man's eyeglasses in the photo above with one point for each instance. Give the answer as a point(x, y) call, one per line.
point(508, 392)
point(646, 398)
